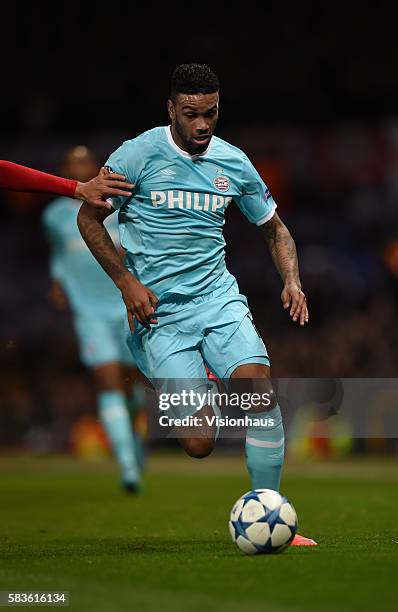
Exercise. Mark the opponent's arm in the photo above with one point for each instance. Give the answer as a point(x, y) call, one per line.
point(284, 254)
point(21, 178)
point(140, 301)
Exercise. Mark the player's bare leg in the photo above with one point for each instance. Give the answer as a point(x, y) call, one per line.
point(199, 441)
point(109, 377)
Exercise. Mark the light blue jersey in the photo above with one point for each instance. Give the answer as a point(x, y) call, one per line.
point(172, 230)
point(99, 313)
point(88, 287)
point(172, 225)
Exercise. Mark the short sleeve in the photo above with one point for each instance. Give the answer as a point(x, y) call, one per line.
point(256, 201)
point(127, 161)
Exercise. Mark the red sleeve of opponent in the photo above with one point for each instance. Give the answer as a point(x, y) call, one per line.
point(20, 178)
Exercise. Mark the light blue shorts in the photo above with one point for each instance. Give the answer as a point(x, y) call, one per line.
point(102, 341)
point(214, 329)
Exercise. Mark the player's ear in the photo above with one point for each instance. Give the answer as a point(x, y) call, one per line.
point(171, 109)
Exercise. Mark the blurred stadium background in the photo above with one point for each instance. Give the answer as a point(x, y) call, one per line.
point(311, 96)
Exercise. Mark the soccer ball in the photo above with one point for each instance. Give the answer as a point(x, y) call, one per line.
point(262, 522)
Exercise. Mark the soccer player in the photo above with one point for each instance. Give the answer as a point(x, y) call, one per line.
point(99, 317)
point(184, 307)
point(95, 191)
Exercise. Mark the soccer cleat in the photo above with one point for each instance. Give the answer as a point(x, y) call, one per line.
point(131, 487)
point(299, 540)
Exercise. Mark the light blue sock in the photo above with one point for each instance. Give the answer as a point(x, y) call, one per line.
point(136, 402)
point(115, 419)
point(265, 450)
point(137, 398)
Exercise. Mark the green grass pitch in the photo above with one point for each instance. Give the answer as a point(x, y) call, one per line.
point(65, 525)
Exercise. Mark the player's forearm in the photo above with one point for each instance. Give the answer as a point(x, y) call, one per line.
point(21, 178)
point(283, 250)
point(90, 223)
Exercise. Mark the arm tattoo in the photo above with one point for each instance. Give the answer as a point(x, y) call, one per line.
point(90, 222)
point(282, 249)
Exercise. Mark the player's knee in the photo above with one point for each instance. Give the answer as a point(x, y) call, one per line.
point(252, 381)
point(199, 448)
point(109, 377)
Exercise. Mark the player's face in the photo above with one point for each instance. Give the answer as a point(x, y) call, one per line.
point(193, 120)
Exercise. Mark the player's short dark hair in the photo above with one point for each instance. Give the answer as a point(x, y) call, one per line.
point(193, 79)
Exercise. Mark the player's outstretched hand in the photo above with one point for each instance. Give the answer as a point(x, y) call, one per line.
point(103, 186)
point(139, 300)
point(293, 297)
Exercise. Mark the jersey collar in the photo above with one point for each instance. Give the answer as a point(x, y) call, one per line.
point(181, 151)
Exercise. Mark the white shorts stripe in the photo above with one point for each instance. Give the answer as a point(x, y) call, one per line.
point(265, 443)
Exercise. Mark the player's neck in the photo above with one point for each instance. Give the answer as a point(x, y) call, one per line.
point(177, 139)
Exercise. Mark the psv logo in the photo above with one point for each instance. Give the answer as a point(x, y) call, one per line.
point(221, 183)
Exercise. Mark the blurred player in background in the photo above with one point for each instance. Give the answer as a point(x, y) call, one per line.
point(79, 282)
point(15, 177)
